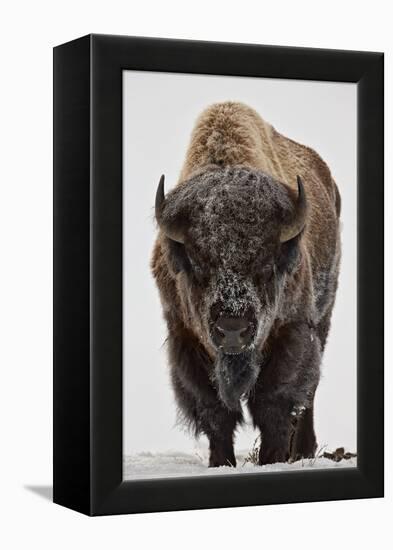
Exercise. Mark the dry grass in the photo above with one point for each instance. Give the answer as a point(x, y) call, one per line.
point(336, 456)
point(253, 455)
point(321, 452)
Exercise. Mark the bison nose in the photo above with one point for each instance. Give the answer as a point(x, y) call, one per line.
point(233, 334)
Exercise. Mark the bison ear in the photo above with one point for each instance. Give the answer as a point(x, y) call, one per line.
point(288, 255)
point(169, 230)
point(296, 225)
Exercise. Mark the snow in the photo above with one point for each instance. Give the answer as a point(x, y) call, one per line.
point(148, 465)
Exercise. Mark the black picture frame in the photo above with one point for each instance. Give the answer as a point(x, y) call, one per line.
point(88, 274)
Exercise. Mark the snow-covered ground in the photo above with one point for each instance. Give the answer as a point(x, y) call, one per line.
point(176, 464)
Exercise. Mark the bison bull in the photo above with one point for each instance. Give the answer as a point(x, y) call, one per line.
point(246, 262)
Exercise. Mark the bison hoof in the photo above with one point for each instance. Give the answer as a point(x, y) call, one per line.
point(273, 456)
point(217, 462)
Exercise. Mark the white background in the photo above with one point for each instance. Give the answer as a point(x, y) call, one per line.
point(159, 112)
point(28, 32)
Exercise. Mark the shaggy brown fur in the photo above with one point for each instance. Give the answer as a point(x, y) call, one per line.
point(236, 190)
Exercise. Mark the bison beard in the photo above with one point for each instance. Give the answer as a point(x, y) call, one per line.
point(235, 376)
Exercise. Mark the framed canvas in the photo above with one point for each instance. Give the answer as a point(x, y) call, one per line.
point(218, 275)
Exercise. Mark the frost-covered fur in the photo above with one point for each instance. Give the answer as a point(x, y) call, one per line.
point(236, 191)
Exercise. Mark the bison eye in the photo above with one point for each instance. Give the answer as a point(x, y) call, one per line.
point(182, 260)
point(264, 272)
point(179, 257)
point(267, 272)
point(289, 255)
point(196, 269)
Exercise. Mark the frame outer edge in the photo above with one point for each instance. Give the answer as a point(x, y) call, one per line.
point(108, 493)
point(71, 274)
point(371, 275)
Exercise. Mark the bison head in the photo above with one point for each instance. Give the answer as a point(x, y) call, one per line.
point(231, 238)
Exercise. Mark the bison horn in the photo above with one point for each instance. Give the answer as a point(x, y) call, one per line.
point(171, 233)
point(293, 229)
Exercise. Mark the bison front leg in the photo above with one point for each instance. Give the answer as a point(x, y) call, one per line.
point(198, 400)
point(221, 453)
point(286, 385)
point(205, 414)
point(219, 426)
point(274, 421)
point(304, 442)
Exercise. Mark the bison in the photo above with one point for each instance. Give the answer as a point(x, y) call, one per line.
point(246, 262)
